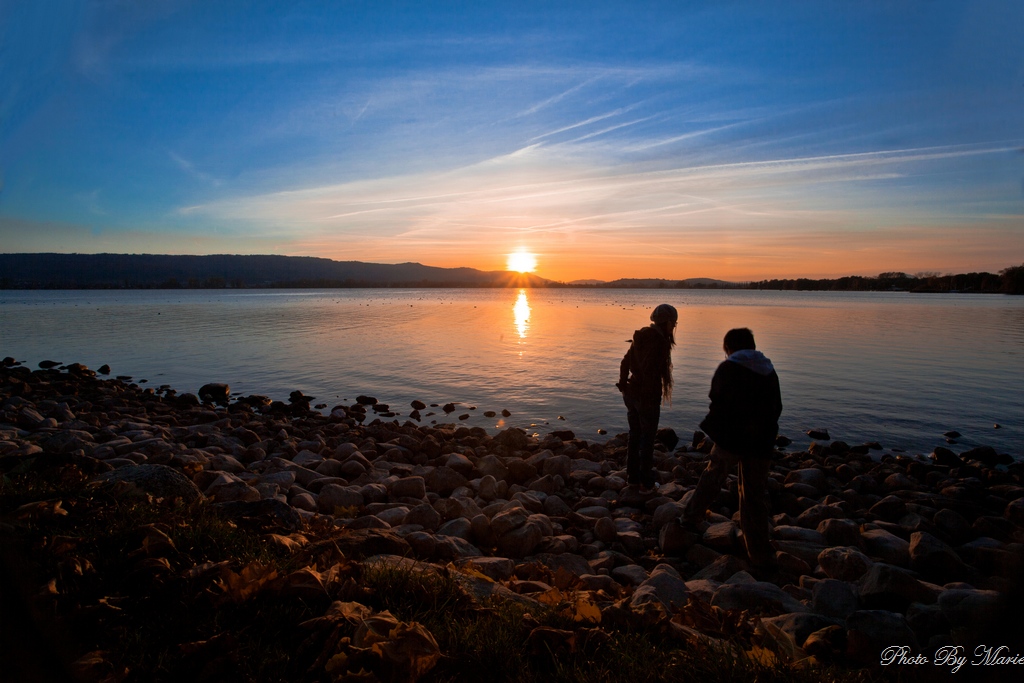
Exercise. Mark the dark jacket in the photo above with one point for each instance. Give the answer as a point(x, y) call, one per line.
point(745, 405)
point(642, 368)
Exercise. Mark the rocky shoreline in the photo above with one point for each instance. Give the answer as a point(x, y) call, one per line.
point(874, 550)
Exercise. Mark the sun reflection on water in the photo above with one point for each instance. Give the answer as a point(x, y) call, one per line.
point(521, 311)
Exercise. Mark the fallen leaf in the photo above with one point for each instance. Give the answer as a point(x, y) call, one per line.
point(246, 583)
point(292, 543)
point(305, 582)
point(762, 656)
point(586, 610)
point(552, 596)
point(40, 509)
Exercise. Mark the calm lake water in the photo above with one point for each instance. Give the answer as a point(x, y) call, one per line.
point(896, 368)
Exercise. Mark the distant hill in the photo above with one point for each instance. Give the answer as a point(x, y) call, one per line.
point(661, 283)
point(151, 271)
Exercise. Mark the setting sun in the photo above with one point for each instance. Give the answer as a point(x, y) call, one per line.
point(522, 261)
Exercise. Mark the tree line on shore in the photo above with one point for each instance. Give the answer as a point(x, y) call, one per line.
point(1008, 281)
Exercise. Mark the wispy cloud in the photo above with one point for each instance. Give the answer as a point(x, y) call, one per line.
point(540, 198)
point(190, 168)
point(586, 122)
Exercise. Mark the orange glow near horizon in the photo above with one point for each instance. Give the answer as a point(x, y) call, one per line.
point(522, 261)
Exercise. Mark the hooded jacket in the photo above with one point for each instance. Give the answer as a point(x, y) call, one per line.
point(745, 405)
point(641, 369)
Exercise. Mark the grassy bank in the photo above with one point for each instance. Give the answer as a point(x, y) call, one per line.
point(106, 583)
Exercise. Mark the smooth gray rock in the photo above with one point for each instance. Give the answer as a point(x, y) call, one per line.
point(891, 588)
point(871, 631)
point(632, 574)
point(508, 520)
point(834, 598)
point(158, 480)
point(799, 625)
point(497, 568)
point(758, 597)
point(443, 480)
point(843, 563)
point(663, 587)
point(886, 546)
point(409, 487)
point(423, 515)
point(459, 528)
point(520, 541)
point(332, 497)
point(935, 560)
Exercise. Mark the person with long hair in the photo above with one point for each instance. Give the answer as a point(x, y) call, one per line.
point(645, 380)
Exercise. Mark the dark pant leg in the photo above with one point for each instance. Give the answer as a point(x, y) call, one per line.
point(643, 427)
point(649, 417)
point(710, 484)
point(754, 518)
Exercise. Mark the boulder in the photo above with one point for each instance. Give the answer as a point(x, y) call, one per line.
point(630, 574)
point(360, 543)
point(459, 527)
point(520, 471)
point(972, 609)
point(833, 598)
point(511, 440)
point(409, 487)
point(890, 508)
point(215, 392)
point(800, 625)
point(809, 476)
point(520, 541)
point(554, 506)
point(497, 568)
point(307, 458)
point(869, 632)
point(844, 563)
point(664, 587)
point(158, 480)
point(443, 480)
point(674, 538)
point(605, 530)
point(508, 520)
point(886, 546)
point(334, 498)
point(665, 513)
point(424, 515)
point(814, 515)
point(798, 533)
point(720, 570)
point(891, 588)
point(234, 491)
point(935, 560)
point(722, 536)
point(460, 463)
point(492, 466)
point(574, 564)
point(759, 597)
point(953, 524)
point(945, 457)
point(489, 488)
point(840, 532)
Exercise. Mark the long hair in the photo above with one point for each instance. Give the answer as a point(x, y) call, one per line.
point(669, 331)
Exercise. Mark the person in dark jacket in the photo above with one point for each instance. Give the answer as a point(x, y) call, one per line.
point(645, 380)
point(743, 422)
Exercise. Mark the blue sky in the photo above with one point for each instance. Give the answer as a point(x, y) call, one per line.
point(727, 139)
